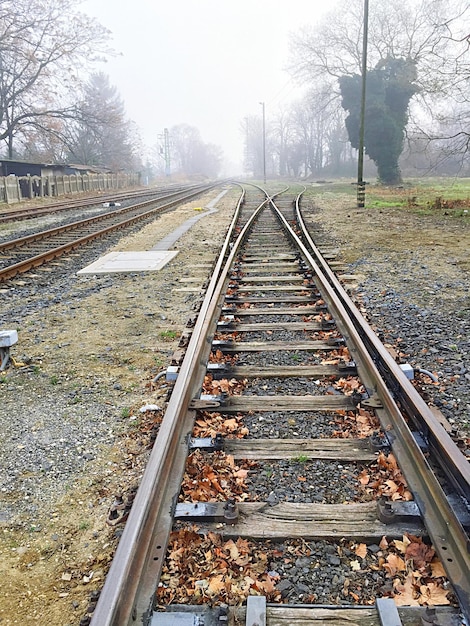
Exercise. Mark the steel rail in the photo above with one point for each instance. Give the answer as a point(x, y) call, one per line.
point(452, 461)
point(128, 593)
point(37, 260)
point(44, 234)
point(37, 211)
point(447, 534)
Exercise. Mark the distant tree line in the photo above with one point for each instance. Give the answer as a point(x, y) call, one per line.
point(189, 156)
point(417, 100)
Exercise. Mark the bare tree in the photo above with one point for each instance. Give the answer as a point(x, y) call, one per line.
point(433, 35)
point(428, 32)
point(97, 134)
point(44, 45)
point(282, 130)
point(190, 155)
point(252, 131)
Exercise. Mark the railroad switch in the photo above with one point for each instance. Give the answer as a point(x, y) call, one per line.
point(8, 338)
point(209, 444)
point(390, 512)
point(225, 512)
point(420, 440)
point(203, 404)
point(229, 309)
point(373, 402)
point(461, 509)
point(221, 398)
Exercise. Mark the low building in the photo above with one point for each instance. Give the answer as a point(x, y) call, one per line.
point(9, 167)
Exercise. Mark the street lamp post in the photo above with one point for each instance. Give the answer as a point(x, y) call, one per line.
point(361, 187)
point(264, 142)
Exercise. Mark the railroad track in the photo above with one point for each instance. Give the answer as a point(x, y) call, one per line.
point(30, 212)
point(294, 455)
point(23, 254)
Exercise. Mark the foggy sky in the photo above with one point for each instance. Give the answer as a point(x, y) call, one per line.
point(206, 63)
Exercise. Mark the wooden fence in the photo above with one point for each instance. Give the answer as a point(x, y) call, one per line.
point(17, 188)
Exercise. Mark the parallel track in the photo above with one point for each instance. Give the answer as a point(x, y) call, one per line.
point(32, 212)
point(265, 305)
point(23, 254)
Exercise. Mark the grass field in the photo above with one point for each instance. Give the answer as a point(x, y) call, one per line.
point(425, 196)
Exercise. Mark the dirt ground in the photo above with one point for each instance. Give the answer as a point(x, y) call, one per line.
point(438, 239)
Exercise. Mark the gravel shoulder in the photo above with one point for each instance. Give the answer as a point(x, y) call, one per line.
point(73, 435)
point(413, 281)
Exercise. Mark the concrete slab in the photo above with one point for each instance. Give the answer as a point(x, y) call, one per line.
point(154, 259)
point(151, 261)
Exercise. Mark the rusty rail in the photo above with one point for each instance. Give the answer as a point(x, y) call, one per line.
point(37, 260)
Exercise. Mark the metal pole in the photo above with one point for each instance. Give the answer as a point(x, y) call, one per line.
point(166, 139)
point(264, 142)
point(361, 188)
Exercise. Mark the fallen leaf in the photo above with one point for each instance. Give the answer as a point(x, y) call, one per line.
point(420, 553)
point(361, 551)
point(215, 585)
point(432, 594)
point(406, 591)
point(394, 564)
point(437, 569)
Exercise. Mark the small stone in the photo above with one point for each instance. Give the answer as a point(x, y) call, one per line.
point(272, 499)
point(149, 407)
point(284, 585)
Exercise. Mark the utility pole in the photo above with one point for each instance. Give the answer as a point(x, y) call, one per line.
point(361, 186)
point(264, 142)
point(166, 144)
